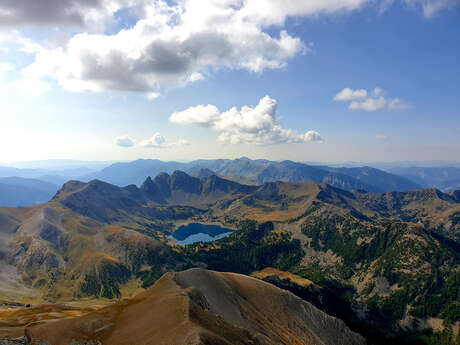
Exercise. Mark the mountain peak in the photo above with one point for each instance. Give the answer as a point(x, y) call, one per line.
point(203, 173)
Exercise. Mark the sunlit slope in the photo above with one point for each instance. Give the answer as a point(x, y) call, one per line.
point(203, 307)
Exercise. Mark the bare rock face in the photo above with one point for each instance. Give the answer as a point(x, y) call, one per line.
point(201, 307)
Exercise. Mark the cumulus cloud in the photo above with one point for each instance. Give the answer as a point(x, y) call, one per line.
point(82, 13)
point(158, 141)
point(398, 104)
point(89, 13)
point(377, 91)
point(203, 115)
point(196, 77)
point(171, 43)
point(124, 141)
point(370, 104)
point(250, 125)
point(348, 94)
point(370, 101)
point(172, 46)
point(153, 95)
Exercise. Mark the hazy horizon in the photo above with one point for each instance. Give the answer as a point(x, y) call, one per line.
point(62, 163)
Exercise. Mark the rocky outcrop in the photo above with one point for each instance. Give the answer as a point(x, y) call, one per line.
point(181, 188)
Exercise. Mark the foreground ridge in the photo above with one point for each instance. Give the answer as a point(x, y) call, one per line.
point(197, 307)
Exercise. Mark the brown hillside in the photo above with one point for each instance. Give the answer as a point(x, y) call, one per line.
point(203, 307)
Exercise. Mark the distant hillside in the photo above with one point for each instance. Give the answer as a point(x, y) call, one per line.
point(55, 177)
point(386, 182)
point(25, 173)
point(245, 170)
point(17, 191)
point(444, 178)
point(123, 174)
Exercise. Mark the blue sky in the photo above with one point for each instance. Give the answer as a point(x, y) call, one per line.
point(408, 51)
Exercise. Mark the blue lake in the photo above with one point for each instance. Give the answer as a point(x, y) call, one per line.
point(196, 232)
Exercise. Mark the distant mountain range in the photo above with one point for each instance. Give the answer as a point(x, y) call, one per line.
point(26, 187)
point(259, 172)
point(18, 191)
point(444, 178)
point(242, 170)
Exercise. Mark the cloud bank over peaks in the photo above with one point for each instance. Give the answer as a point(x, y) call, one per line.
point(248, 125)
point(370, 100)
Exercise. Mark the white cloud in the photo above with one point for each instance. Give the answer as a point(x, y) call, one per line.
point(153, 95)
point(370, 104)
point(88, 14)
point(196, 77)
point(251, 125)
point(313, 136)
point(124, 141)
point(348, 94)
point(381, 137)
point(170, 47)
point(6, 67)
point(370, 101)
point(203, 115)
point(377, 91)
point(398, 104)
point(158, 141)
point(269, 12)
point(171, 44)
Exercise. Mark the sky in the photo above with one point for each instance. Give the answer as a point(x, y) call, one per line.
point(306, 80)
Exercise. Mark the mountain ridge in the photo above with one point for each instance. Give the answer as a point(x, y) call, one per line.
point(260, 171)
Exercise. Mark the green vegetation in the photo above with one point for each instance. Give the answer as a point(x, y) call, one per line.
point(253, 247)
point(104, 281)
point(455, 218)
point(407, 256)
point(315, 206)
